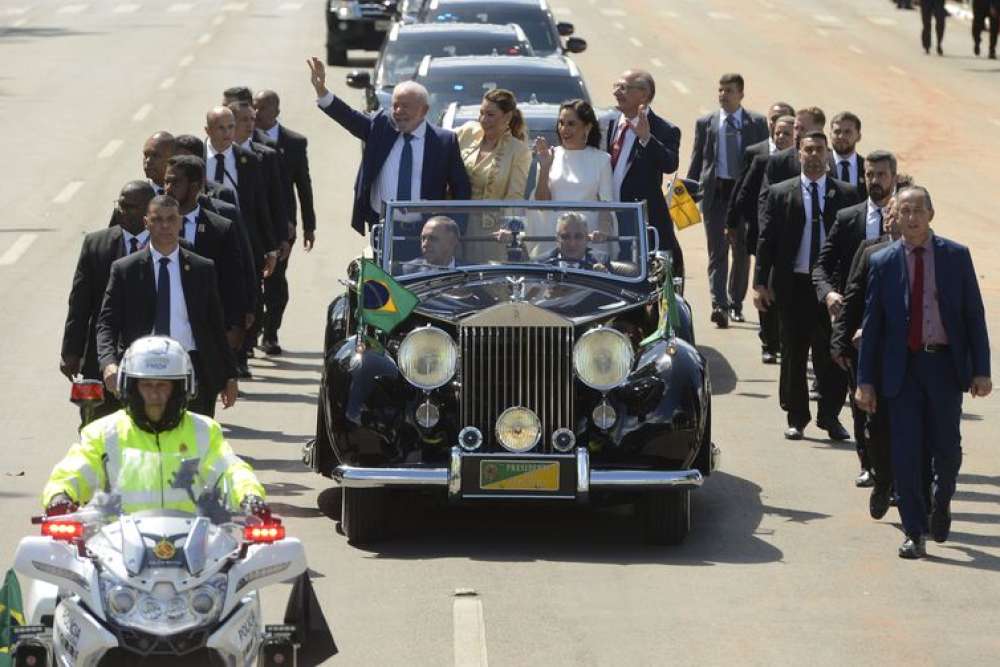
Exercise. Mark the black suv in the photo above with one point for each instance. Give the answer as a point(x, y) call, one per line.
point(353, 24)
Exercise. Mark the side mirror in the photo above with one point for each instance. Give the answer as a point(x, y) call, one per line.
point(575, 45)
point(564, 29)
point(359, 79)
point(653, 237)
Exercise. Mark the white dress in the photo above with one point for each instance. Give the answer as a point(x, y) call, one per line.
point(577, 175)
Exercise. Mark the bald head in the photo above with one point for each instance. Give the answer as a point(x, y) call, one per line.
point(155, 152)
point(220, 127)
point(267, 105)
point(634, 88)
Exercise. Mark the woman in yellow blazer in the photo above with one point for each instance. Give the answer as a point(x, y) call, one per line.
point(498, 158)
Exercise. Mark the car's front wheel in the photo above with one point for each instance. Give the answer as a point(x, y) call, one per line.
point(363, 515)
point(667, 516)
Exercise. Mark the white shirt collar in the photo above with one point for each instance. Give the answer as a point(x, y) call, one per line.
point(273, 132)
point(771, 147)
point(157, 256)
point(737, 116)
point(840, 158)
point(193, 214)
point(142, 237)
point(246, 145)
point(820, 182)
point(211, 152)
point(419, 132)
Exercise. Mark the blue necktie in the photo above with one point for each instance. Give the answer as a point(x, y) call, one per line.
point(162, 326)
point(732, 139)
point(404, 189)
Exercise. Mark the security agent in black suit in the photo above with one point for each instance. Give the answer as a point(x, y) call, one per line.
point(644, 147)
point(292, 147)
point(785, 164)
point(716, 162)
point(188, 144)
point(168, 290)
point(854, 224)
point(156, 150)
point(847, 164)
point(801, 212)
point(100, 249)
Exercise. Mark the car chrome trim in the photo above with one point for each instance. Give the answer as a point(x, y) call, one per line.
point(370, 478)
point(715, 462)
point(455, 474)
point(645, 479)
point(582, 470)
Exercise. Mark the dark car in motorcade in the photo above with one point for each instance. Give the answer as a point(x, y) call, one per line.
point(534, 16)
point(406, 46)
point(353, 24)
point(532, 80)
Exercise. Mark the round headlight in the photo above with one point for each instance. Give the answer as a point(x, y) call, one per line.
point(150, 608)
point(603, 358)
point(121, 600)
point(203, 601)
point(518, 429)
point(427, 357)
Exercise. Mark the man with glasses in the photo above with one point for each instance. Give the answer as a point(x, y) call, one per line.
point(126, 234)
point(571, 249)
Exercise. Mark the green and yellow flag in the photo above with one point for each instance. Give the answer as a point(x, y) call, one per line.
point(683, 209)
point(11, 614)
point(669, 317)
point(382, 302)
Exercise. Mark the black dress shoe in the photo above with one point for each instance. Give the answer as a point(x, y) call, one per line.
point(243, 371)
point(270, 347)
point(940, 51)
point(865, 479)
point(767, 357)
point(940, 523)
point(736, 315)
point(913, 548)
point(719, 317)
point(878, 502)
point(793, 433)
point(975, 48)
point(834, 429)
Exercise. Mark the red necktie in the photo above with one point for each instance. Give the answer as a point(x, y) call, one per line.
point(915, 336)
point(616, 148)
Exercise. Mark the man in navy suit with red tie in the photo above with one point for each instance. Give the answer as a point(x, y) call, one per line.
point(405, 158)
point(924, 343)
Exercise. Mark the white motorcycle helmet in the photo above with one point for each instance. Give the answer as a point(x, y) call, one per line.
point(156, 358)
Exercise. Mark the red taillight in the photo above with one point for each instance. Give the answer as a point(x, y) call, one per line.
point(86, 391)
point(264, 533)
point(62, 530)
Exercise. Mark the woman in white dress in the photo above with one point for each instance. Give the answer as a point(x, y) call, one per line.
point(576, 170)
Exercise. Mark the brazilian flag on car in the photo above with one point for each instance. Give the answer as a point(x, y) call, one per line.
point(382, 302)
point(11, 614)
point(669, 317)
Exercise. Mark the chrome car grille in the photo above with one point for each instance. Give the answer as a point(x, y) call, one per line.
point(523, 365)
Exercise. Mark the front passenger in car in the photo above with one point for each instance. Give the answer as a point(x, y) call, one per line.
point(439, 241)
point(572, 251)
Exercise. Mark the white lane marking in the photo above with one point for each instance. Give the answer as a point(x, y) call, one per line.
point(67, 192)
point(720, 16)
point(618, 25)
point(205, 38)
point(219, 20)
point(234, 7)
point(20, 22)
point(670, 14)
point(179, 7)
point(168, 83)
point(681, 88)
point(110, 149)
point(143, 111)
point(14, 11)
point(469, 629)
point(882, 20)
point(854, 49)
point(296, 6)
point(656, 62)
point(20, 246)
point(635, 42)
point(72, 9)
point(186, 61)
point(822, 33)
point(563, 11)
point(125, 8)
point(897, 70)
point(995, 121)
point(614, 12)
point(826, 18)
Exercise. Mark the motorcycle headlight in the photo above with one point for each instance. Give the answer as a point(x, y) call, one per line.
point(121, 600)
point(427, 357)
point(164, 610)
point(603, 358)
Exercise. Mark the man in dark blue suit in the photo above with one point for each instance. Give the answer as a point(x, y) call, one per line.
point(924, 343)
point(405, 158)
point(643, 148)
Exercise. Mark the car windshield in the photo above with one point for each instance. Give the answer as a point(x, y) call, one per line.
point(402, 57)
point(585, 237)
point(536, 23)
point(445, 87)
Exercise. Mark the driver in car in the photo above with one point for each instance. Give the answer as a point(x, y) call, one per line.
point(572, 250)
point(439, 241)
point(137, 451)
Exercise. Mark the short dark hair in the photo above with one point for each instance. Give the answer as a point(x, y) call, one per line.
point(586, 114)
point(849, 117)
point(238, 93)
point(904, 181)
point(919, 188)
point(140, 188)
point(732, 77)
point(192, 166)
point(815, 113)
point(164, 201)
point(191, 144)
point(646, 79)
point(818, 136)
point(786, 108)
point(883, 156)
point(446, 223)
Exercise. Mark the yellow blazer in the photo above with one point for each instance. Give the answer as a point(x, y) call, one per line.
point(504, 174)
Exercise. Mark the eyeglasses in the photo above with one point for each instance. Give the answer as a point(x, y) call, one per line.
point(621, 85)
point(571, 237)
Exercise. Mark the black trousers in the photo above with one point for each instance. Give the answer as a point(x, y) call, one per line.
point(805, 326)
point(932, 9)
point(981, 11)
point(204, 400)
point(770, 330)
point(878, 445)
point(275, 300)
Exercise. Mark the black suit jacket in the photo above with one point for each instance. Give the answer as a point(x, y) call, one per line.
point(274, 172)
point(782, 233)
point(251, 273)
point(590, 259)
point(743, 202)
point(223, 194)
point(292, 147)
point(251, 192)
point(129, 312)
point(99, 251)
point(834, 262)
point(853, 312)
point(217, 239)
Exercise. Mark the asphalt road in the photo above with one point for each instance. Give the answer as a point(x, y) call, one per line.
point(783, 565)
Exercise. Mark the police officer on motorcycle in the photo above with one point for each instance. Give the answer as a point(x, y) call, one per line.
point(139, 451)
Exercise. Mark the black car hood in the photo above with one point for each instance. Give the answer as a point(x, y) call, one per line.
point(578, 300)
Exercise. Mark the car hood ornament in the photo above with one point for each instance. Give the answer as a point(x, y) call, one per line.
point(517, 288)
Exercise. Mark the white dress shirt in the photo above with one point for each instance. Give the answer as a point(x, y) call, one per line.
point(158, 189)
point(190, 225)
point(721, 170)
point(623, 164)
point(873, 220)
point(229, 162)
point(180, 325)
point(852, 166)
point(802, 258)
point(142, 238)
point(386, 184)
point(772, 148)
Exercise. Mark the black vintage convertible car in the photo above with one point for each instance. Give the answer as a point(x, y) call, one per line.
point(546, 360)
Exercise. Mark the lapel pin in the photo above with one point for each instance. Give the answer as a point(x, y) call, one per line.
point(243, 160)
point(201, 227)
point(187, 267)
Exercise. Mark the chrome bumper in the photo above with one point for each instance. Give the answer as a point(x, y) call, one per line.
point(587, 478)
